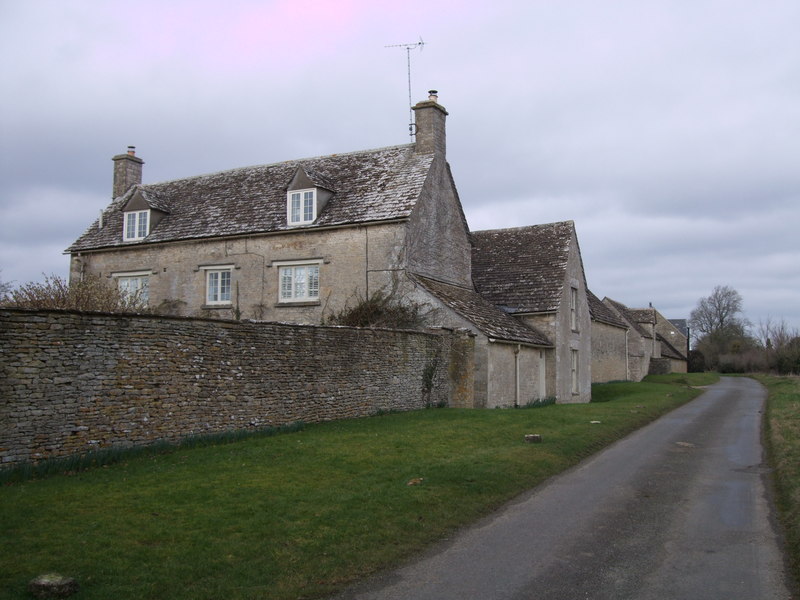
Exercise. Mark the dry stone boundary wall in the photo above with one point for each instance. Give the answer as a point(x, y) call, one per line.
point(75, 382)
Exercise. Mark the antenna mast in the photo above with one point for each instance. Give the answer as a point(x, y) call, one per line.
point(409, 48)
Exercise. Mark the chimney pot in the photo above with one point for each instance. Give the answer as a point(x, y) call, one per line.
point(127, 171)
point(430, 125)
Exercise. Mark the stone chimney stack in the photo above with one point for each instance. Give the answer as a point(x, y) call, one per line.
point(127, 171)
point(430, 117)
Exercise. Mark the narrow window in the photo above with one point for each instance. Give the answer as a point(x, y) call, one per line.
point(573, 308)
point(136, 225)
point(308, 206)
point(302, 207)
point(574, 372)
point(299, 283)
point(218, 286)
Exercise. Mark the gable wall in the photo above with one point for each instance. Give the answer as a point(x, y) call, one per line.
point(357, 261)
point(438, 240)
point(559, 328)
point(671, 333)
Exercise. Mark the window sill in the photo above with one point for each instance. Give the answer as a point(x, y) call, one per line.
point(215, 306)
point(299, 303)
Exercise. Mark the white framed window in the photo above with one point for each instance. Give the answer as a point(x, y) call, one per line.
point(134, 284)
point(301, 207)
point(137, 225)
point(574, 371)
point(573, 308)
point(218, 284)
point(298, 281)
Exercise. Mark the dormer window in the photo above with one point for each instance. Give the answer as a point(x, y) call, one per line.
point(301, 206)
point(137, 225)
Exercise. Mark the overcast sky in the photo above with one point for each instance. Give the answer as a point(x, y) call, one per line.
point(669, 131)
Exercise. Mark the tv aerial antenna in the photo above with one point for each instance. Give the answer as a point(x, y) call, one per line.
point(409, 47)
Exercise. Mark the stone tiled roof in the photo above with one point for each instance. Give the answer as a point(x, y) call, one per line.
point(643, 315)
point(600, 312)
point(630, 316)
point(368, 186)
point(522, 269)
point(668, 350)
point(489, 319)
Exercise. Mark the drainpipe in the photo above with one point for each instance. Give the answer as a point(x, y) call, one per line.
point(516, 376)
point(627, 357)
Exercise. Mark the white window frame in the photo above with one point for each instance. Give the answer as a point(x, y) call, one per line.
point(292, 289)
point(136, 225)
point(216, 274)
point(142, 291)
point(573, 308)
point(301, 206)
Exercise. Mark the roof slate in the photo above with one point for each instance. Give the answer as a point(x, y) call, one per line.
point(523, 269)
point(600, 312)
point(371, 185)
point(489, 319)
point(630, 316)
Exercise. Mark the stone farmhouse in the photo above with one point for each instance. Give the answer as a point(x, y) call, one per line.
point(299, 241)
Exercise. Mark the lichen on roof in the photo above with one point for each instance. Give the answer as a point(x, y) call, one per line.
point(486, 317)
point(523, 268)
point(368, 186)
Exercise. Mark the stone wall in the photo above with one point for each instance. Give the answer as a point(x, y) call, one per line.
point(77, 382)
point(609, 353)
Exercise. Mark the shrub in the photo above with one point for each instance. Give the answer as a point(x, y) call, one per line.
point(89, 294)
point(381, 309)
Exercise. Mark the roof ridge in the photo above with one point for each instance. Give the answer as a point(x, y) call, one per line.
point(523, 227)
point(275, 164)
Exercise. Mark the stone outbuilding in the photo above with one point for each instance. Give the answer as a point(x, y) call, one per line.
point(536, 275)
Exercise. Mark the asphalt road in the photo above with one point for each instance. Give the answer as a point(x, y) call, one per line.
point(676, 510)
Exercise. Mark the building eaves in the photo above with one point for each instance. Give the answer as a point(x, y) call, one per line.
point(626, 313)
point(601, 313)
point(487, 318)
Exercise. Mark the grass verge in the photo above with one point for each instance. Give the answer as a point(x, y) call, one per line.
point(301, 515)
point(782, 430)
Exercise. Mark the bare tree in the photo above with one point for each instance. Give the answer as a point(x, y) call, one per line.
point(719, 311)
point(781, 346)
point(720, 329)
point(5, 289)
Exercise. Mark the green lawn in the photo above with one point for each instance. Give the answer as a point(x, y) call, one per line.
point(301, 515)
point(783, 448)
